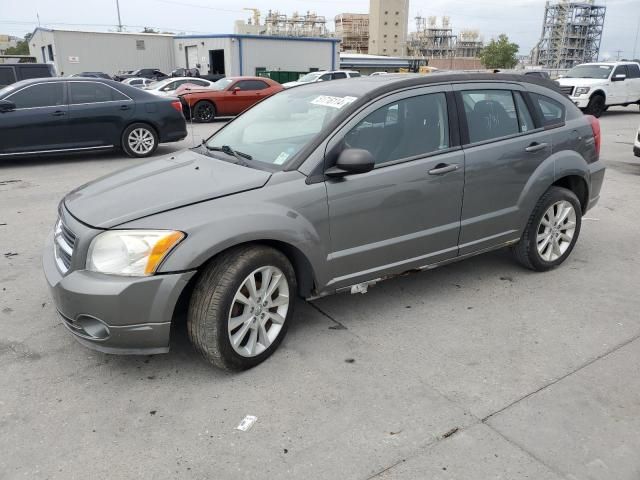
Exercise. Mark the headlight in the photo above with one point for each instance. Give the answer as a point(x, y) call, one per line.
point(131, 252)
point(582, 90)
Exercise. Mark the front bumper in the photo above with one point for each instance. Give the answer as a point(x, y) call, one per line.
point(580, 102)
point(115, 314)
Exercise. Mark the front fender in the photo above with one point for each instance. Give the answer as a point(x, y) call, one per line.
point(290, 212)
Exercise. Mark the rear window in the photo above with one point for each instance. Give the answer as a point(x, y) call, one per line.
point(490, 114)
point(551, 112)
point(632, 69)
point(92, 92)
point(7, 76)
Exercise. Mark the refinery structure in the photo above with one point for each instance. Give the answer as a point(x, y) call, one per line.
point(571, 34)
point(431, 40)
point(353, 30)
point(280, 24)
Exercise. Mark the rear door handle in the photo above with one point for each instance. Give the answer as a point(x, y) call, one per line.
point(58, 113)
point(442, 168)
point(124, 107)
point(535, 147)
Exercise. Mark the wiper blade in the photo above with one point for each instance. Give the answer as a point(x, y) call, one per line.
point(230, 151)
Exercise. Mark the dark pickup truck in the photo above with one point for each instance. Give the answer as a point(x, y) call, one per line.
point(14, 72)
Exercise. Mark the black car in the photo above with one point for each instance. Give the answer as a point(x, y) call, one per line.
point(14, 72)
point(150, 73)
point(56, 115)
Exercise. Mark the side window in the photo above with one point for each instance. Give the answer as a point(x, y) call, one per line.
point(406, 128)
point(325, 77)
point(524, 116)
point(197, 82)
point(552, 112)
point(43, 95)
point(34, 72)
point(620, 70)
point(92, 92)
point(354, 74)
point(490, 114)
point(633, 70)
point(339, 75)
point(251, 85)
point(7, 76)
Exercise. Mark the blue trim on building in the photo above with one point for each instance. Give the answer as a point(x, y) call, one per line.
point(262, 37)
point(240, 52)
point(333, 57)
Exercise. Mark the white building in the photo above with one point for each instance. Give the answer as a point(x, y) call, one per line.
point(109, 52)
point(228, 54)
point(232, 54)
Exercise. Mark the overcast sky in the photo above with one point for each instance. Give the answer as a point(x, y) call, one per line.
point(521, 20)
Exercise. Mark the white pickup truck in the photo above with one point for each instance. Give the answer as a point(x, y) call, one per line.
point(594, 87)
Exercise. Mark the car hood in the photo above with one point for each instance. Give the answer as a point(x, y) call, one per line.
point(581, 82)
point(159, 185)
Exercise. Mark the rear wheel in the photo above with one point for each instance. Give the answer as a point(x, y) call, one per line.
point(596, 106)
point(552, 230)
point(241, 307)
point(204, 111)
point(139, 140)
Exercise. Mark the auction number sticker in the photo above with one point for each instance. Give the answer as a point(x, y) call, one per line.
point(334, 102)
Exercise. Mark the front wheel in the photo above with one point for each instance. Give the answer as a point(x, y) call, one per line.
point(139, 140)
point(204, 111)
point(552, 230)
point(241, 307)
point(596, 106)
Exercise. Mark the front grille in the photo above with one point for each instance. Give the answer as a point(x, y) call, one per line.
point(64, 242)
point(567, 89)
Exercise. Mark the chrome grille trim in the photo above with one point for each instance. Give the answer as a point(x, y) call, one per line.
point(64, 242)
point(567, 90)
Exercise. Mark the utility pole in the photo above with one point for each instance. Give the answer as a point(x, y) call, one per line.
point(618, 52)
point(635, 43)
point(119, 21)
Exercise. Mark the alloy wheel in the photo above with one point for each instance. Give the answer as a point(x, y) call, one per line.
point(556, 230)
point(141, 141)
point(258, 311)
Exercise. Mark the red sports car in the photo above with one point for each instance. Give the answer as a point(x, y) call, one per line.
point(228, 96)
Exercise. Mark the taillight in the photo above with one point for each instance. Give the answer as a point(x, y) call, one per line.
point(177, 105)
point(597, 136)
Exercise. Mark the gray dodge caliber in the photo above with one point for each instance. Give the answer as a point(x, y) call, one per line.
point(319, 189)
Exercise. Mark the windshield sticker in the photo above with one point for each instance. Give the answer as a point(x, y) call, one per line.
point(334, 102)
point(280, 159)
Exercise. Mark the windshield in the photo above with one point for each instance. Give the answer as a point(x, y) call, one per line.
point(279, 127)
point(221, 84)
point(309, 77)
point(136, 72)
point(590, 71)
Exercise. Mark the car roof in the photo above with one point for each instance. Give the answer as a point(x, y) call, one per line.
point(372, 86)
point(606, 63)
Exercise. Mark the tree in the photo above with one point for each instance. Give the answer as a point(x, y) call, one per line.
point(500, 53)
point(21, 48)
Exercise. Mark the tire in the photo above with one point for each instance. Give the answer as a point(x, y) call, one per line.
point(214, 311)
point(203, 112)
point(596, 106)
point(541, 256)
point(139, 140)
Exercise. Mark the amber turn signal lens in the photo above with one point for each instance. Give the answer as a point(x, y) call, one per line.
point(161, 249)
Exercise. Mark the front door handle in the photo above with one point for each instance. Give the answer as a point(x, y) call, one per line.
point(58, 113)
point(535, 147)
point(442, 168)
point(124, 107)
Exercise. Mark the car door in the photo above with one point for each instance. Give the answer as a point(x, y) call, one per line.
point(244, 93)
point(98, 113)
point(503, 146)
point(39, 121)
point(618, 87)
point(633, 82)
point(405, 213)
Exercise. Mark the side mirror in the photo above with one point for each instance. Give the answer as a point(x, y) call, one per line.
point(7, 106)
point(619, 77)
point(352, 161)
point(235, 90)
